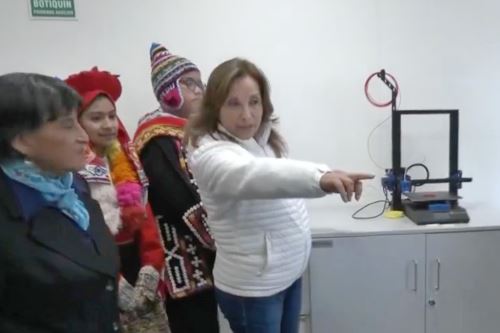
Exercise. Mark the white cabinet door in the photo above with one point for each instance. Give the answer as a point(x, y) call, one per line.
point(305, 324)
point(368, 284)
point(463, 282)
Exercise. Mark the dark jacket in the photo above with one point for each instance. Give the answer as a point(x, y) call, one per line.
point(54, 277)
point(176, 203)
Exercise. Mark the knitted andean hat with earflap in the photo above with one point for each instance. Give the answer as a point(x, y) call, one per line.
point(166, 70)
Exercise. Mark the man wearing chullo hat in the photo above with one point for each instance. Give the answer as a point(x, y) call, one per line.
point(173, 194)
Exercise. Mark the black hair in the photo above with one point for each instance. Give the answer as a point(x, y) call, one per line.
point(27, 101)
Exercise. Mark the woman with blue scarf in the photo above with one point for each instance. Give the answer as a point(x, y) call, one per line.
point(58, 261)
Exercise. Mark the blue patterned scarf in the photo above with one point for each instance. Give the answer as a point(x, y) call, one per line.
point(56, 190)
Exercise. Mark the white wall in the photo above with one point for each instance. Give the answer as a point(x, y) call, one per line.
point(316, 53)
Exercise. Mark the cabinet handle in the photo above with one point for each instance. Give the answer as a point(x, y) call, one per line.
point(415, 267)
point(303, 317)
point(322, 243)
point(412, 275)
point(438, 274)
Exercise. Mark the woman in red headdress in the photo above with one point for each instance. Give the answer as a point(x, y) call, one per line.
point(118, 183)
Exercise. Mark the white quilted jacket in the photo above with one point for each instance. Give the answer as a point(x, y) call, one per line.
point(255, 212)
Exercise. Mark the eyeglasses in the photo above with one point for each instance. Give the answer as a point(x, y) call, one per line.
point(192, 84)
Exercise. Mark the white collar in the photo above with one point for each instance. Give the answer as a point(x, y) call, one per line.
point(261, 137)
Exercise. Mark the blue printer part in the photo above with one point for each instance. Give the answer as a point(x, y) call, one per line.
point(439, 207)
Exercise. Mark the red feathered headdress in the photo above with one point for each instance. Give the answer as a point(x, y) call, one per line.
point(93, 83)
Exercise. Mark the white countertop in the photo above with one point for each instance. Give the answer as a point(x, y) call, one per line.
point(336, 221)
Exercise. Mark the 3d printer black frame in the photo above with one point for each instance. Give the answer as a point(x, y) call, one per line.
point(455, 176)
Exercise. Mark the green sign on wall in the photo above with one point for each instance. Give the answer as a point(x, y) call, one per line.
point(53, 8)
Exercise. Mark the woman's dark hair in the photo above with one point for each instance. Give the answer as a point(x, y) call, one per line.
point(27, 101)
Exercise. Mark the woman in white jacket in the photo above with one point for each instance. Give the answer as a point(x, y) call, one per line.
point(253, 197)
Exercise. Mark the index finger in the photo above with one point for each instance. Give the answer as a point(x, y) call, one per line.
point(360, 176)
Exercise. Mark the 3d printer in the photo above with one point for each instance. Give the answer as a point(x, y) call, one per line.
point(423, 207)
